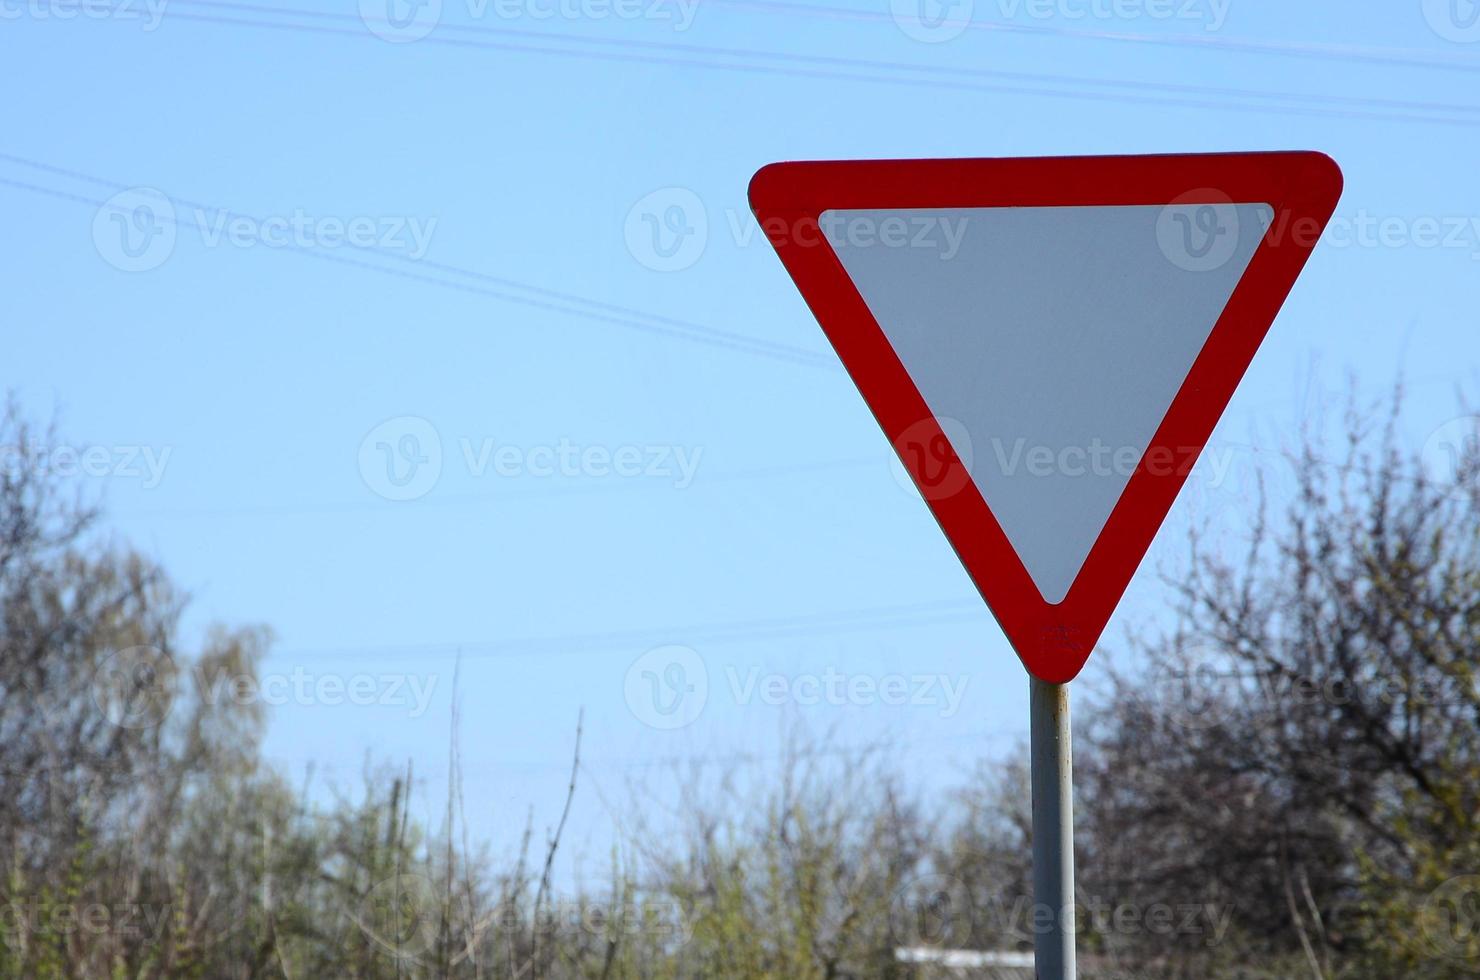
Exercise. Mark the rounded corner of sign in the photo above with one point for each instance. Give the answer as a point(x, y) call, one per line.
point(1061, 591)
point(1321, 178)
point(1326, 175)
point(1325, 164)
point(1057, 653)
point(763, 185)
point(1057, 673)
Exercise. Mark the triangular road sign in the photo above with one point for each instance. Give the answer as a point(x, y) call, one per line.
point(1048, 343)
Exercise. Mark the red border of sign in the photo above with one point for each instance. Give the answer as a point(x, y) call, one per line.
point(1054, 641)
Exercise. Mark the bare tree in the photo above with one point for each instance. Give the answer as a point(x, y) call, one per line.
point(1304, 748)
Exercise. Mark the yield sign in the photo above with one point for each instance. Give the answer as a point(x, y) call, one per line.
point(1048, 343)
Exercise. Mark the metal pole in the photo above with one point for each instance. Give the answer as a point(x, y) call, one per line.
point(1053, 832)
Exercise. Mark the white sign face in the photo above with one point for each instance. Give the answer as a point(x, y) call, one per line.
point(1057, 337)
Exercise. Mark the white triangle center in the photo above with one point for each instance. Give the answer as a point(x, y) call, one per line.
point(1056, 337)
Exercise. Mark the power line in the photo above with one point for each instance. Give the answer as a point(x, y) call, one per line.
point(443, 266)
point(921, 614)
point(1399, 57)
point(679, 55)
point(694, 333)
point(883, 745)
point(1175, 88)
point(538, 493)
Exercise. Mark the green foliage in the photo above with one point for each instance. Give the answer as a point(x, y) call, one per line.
point(142, 836)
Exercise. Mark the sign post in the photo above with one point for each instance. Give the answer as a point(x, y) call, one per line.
point(1048, 343)
point(1053, 830)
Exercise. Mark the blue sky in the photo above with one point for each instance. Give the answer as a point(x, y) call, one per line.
point(643, 441)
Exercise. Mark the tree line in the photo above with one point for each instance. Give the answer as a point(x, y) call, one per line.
point(1285, 783)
